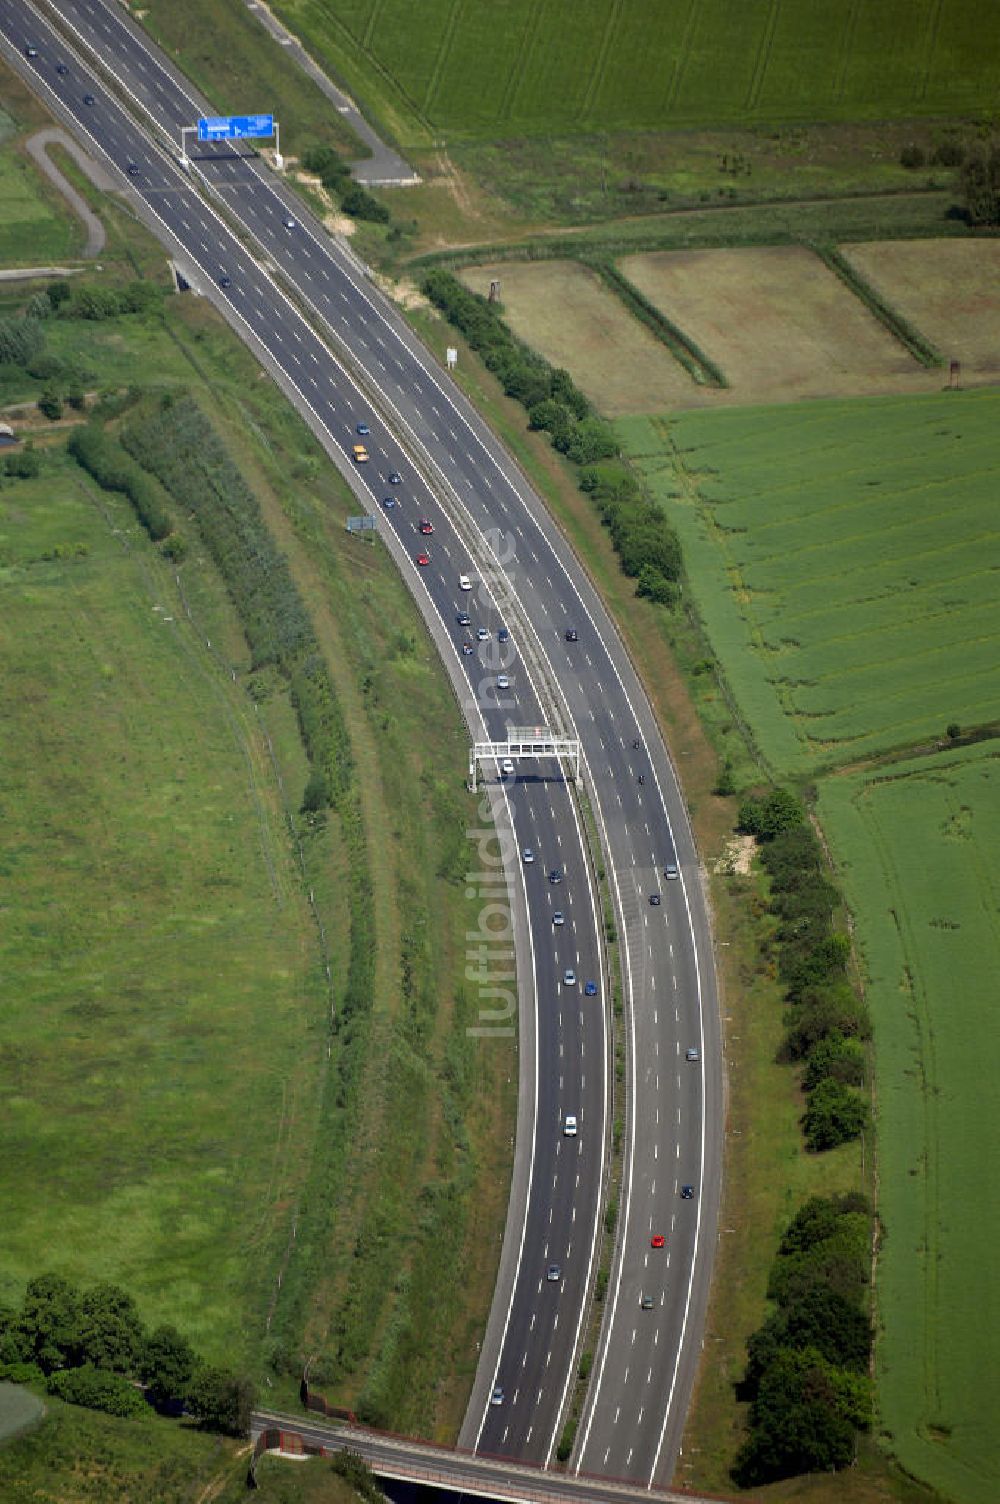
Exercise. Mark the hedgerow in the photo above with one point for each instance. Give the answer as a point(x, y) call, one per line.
point(827, 1020)
point(178, 444)
point(646, 544)
point(807, 1365)
point(103, 458)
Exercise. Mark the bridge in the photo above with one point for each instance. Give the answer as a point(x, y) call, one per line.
point(409, 1461)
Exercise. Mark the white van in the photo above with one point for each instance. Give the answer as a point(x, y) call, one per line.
point(569, 1126)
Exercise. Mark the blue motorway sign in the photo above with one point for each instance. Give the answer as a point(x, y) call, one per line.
point(234, 127)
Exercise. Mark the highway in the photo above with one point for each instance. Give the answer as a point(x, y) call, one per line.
point(486, 519)
point(459, 1472)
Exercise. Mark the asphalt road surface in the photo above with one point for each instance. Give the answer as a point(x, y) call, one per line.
point(487, 520)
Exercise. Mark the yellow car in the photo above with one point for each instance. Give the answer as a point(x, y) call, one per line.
point(360, 454)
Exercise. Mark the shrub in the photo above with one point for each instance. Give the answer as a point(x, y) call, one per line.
point(361, 204)
point(98, 1390)
point(23, 464)
point(21, 341)
point(949, 154)
point(770, 815)
point(58, 293)
point(912, 156)
point(980, 182)
point(50, 405)
point(834, 1056)
point(835, 1114)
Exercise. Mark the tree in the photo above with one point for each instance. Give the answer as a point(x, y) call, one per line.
point(166, 1365)
point(111, 1330)
point(48, 1328)
point(222, 1401)
point(980, 183)
point(803, 1419)
point(58, 293)
point(821, 1011)
point(819, 1318)
point(771, 815)
point(834, 1116)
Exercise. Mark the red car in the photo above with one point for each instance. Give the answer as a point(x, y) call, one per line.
point(423, 558)
point(425, 526)
point(658, 1240)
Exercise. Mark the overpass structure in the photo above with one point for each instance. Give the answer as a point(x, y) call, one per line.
point(408, 1461)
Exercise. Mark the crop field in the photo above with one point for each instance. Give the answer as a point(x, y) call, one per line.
point(841, 556)
point(949, 289)
point(920, 863)
point(160, 1056)
point(778, 322)
point(567, 313)
point(572, 65)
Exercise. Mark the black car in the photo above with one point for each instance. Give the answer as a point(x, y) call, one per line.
point(88, 99)
point(571, 635)
point(30, 51)
point(556, 875)
point(61, 69)
point(464, 619)
point(394, 478)
point(654, 899)
point(225, 281)
point(133, 169)
point(687, 1192)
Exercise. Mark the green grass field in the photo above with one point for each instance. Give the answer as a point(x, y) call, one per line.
point(920, 864)
point(159, 958)
point(840, 558)
point(469, 70)
point(32, 230)
point(173, 1090)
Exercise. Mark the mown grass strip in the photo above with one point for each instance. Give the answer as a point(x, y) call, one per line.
point(908, 334)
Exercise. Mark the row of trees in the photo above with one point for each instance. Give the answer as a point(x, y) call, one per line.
point(92, 1349)
point(807, 1374)
point(646, 544)
point(827, 1023)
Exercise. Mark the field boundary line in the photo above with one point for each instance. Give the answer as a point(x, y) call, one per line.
point(444, 50)
point(683, 54)
point(516, 75)
point(369, 31)
point(599, 69)
point(763, 59)
point(930, 46)
point(846, 51)
point(701, 367)
point(908, 334)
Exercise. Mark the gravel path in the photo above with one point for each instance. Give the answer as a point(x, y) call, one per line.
point(38, 146)
point(384, 168)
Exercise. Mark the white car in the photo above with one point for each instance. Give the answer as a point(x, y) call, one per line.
point(503, 681)
point(569, 977)
point(528, 856)
point(569, 1126)
point(558, 917)
point(464, 583)
point(507, 767)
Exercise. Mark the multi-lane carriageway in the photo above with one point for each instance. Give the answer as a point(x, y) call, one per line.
point(228, 222)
